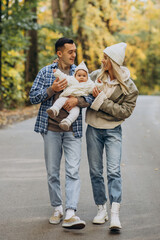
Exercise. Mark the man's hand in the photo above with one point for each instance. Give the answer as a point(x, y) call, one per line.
point(58, 86)
point(95, 92)
point(70, 103)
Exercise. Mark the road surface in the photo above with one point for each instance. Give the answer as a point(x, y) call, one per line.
point(24, 199)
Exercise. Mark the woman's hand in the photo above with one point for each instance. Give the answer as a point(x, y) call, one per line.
point(58, 86)
point(99, 80)
point(95, 92)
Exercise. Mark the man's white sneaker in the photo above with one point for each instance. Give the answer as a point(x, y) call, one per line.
point(102, 215)
point(56, 218)
point(73, 223)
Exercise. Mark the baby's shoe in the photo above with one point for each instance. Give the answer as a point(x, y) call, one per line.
point(52, 112)
point(65, 124)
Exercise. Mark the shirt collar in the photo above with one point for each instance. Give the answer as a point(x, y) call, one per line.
point(55, 65)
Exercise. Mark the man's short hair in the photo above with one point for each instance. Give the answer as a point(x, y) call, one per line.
point(61, 41)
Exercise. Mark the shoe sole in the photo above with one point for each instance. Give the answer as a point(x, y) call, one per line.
point(75, 226)
point(51, 113)
point(64, 127)
point(55, 223)
point(100, 222)
point(115, 228)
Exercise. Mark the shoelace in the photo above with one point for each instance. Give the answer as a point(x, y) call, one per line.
point(56, 213)
point(100, 209)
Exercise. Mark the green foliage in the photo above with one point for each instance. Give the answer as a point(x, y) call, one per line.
point(95, 25)
point(148, 72)
point(16, 19)
point(48, 34)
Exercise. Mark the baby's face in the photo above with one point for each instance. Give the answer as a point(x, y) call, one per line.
point(81, 76)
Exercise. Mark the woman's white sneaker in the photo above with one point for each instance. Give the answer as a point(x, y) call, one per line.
point(102, 215)
point(115, 222)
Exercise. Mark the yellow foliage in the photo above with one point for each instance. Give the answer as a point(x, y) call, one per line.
point(98, 24)
point(12, 73)
point(44, 12)
point(14, 53)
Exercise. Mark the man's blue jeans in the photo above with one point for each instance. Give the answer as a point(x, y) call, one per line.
point(54, 145)
point(111, 140)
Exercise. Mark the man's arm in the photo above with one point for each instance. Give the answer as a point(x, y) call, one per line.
point(40, 93)
point(81, 102)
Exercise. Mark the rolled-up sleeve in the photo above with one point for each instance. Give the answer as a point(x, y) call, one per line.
point(38, 92)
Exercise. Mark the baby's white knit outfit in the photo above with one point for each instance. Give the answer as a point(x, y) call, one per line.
point(74, 88)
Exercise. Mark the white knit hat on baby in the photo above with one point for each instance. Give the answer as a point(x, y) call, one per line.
point(116, 52)
point(81, 66)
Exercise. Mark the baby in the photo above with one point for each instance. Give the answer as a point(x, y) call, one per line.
point(79, 84)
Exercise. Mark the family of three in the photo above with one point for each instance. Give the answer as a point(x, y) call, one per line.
point(110, 97)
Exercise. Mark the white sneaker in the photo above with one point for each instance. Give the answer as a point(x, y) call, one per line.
point(102, 215)
point(115, 222)
point(56, 218)
point(73, 223)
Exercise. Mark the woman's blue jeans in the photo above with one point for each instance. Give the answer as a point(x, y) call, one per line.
point(54, 145)
point(111, 140)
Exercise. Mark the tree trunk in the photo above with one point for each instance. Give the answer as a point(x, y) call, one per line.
point(82, 40)
point(67, 13)
point(64, 15)
point(82, 37)
point(56, 11)
point(31, 65)
point(7, 4)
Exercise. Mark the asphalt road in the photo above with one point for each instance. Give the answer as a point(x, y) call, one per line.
point(24, 199)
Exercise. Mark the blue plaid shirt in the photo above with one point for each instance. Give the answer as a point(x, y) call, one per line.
point(38, 94)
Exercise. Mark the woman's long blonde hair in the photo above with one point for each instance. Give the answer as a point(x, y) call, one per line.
point(118, 74)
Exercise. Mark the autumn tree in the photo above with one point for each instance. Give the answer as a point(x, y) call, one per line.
point(62, 11)
point(16, 19)
point(1, 95)
point(26, 26)
point(31, 64)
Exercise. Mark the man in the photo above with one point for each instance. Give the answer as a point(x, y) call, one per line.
point(45, 90)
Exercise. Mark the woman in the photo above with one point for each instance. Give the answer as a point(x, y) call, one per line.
point(104, 118)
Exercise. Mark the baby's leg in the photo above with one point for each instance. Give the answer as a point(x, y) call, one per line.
point(58, 104)
point(73, 115)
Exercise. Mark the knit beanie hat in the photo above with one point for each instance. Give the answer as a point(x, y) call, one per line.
point(116, 52)
point(81, 66)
